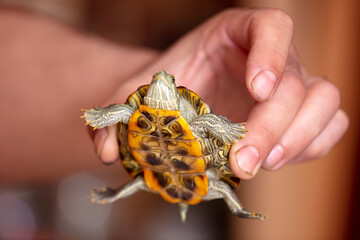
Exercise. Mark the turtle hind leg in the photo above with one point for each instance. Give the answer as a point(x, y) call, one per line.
point(107, 195)
point(218, 126)
point(218, 189)
point(99, 117)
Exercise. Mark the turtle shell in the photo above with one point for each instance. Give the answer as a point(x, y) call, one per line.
point(159, 144)
point(162, 142)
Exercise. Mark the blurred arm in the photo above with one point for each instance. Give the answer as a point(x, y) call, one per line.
point(48, 72)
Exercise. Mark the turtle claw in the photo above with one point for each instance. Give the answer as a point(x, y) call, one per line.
point(94, 117)
point(236, 131)
point(102, 195)
point(250, 214)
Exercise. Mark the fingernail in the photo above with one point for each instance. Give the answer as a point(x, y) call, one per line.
point(264, 84)
point(99, 140)
point(247, 159)
point(110, 162)
point(275, 156)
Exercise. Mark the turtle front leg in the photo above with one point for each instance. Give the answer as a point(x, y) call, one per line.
point(219, 127)
point(218, 189)
point(106, 195)
point(99, 117)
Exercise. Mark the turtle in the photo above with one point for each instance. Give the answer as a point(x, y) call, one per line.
point(171, 143)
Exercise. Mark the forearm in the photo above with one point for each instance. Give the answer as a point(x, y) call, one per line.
point(48, 72)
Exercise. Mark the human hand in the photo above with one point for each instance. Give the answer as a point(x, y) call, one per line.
point(243, 64)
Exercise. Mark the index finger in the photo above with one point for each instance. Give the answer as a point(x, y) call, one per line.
point(267, 35)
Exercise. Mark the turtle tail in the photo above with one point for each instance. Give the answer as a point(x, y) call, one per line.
point(183, 210)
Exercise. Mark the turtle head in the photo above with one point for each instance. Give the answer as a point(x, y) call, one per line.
point(162, 92)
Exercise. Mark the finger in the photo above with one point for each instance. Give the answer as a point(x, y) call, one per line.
point(268, 37)
point(323, 143)
point(319, 107)
point(266, 124)
point(106, 146)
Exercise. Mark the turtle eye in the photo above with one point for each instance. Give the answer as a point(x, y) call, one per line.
point(172, 77)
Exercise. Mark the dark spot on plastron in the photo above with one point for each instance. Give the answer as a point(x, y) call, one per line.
point(153, 141)
point(152, 159)
point(142, 123)
point(186, 196)
point(144, 146)
point(180, 164)
point(189, 183)
point(149, 116)
point(201, 177)
point(165, 133)
point(162, 180)
point(182, 151)
point(176, 128)
point(155, 133)
point(180, 136)
point(171, 143)
point(173, 192)
point(165, 120)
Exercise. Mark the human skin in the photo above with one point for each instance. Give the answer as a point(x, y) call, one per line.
point(244, 65)
point(50, 71)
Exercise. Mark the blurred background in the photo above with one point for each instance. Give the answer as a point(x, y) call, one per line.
point(315, 200)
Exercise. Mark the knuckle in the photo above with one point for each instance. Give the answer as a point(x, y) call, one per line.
point(279, 16)
point(333, 93)
point(321, 146)
point(342, 120)
point(230, 11)
point(228, 14)
point(337, 127)
point(330, 92)
point(283, 18)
